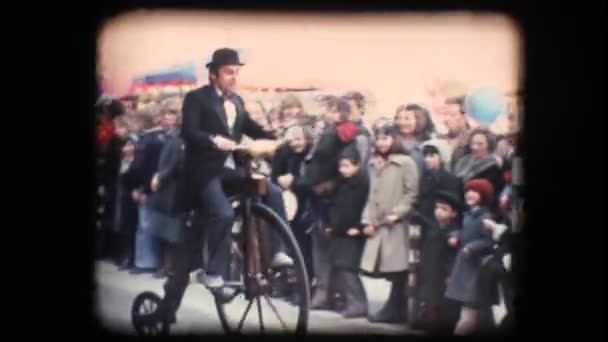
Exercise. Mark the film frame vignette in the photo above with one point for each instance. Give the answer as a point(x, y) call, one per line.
point(378, 97)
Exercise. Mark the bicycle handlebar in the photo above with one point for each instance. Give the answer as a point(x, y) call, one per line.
point(258, 148)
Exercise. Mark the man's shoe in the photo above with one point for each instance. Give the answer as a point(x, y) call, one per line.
point(212, 281)
point(354, 312)
point(387, 315)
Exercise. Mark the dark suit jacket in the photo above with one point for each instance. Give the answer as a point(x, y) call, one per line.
point(204, 116)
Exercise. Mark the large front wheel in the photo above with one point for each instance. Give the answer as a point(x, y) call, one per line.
point(255, 310)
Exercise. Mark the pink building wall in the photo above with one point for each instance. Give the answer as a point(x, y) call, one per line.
point(391, 57)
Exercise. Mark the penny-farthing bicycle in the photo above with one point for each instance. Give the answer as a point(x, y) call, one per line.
point(249, 275)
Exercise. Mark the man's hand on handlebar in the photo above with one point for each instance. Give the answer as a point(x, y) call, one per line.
point(223, 144)
point(285, 181)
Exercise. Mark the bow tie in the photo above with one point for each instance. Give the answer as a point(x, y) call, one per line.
point(229, 97)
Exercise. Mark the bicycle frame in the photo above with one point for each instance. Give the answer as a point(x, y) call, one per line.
point(255, 256)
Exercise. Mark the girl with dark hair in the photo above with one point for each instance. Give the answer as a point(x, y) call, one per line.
point(393, 191)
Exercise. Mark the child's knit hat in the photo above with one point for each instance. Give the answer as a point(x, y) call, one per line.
point(483, 187)
point(441, 147)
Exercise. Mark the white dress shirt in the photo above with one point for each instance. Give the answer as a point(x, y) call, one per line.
point(230, 110)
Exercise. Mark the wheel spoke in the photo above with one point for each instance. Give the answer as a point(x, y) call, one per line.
point(251, 244)
point(260, 316)
point(276, 312)
point(244, 315)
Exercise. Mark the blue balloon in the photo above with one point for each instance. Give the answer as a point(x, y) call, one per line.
point(485, 104)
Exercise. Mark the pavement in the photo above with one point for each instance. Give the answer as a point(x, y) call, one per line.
point(116, 291)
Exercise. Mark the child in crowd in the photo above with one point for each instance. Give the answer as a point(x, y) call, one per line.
point(435, 177)
point(344, 231)
point(434, 312)
point(474, 242)
point(393, 192)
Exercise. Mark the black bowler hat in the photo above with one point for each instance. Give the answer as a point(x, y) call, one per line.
point(451, 198)
point(224, 56)
point(351, 153)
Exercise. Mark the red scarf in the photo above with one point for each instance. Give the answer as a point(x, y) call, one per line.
point(105, 130)
point(347, 131)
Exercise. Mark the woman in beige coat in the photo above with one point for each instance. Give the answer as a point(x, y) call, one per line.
point(393, 190)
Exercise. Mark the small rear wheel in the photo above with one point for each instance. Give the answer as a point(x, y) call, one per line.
point(146, 318)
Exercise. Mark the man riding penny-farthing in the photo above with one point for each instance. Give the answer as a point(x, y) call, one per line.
point(222, 187)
